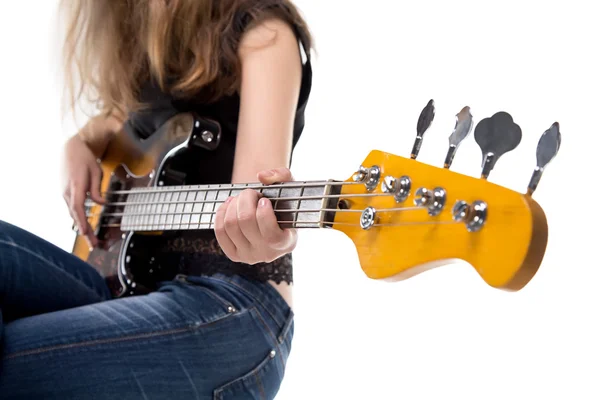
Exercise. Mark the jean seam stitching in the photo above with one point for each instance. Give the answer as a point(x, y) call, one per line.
point(260, 386)
point(116, 340)
point(215, 296)
point(236, 286)
point(286, 328)
point(245, 377)
point(270, 332)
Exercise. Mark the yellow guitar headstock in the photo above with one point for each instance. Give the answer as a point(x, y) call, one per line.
point(405, 216)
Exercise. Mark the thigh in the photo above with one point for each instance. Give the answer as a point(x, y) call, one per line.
point(184, 341)
point(37, 277)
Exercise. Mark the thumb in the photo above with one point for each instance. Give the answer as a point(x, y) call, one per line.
point(96, 179)
point(271, 176)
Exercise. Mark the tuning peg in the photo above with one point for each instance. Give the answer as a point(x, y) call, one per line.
point(423, 124)
point(547, 149)
point(496, 136)
point(464, 125)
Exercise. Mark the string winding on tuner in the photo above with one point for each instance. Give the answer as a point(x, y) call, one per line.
point(473, 215)
point(369, 176)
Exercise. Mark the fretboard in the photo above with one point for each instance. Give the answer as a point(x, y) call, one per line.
point(296, 204)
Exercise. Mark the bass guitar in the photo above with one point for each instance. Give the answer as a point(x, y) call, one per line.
point(433, 213)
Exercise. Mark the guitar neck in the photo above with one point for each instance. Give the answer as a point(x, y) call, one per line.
point(296, 205)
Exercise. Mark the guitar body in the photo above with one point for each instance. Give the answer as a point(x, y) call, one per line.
point(132, 262)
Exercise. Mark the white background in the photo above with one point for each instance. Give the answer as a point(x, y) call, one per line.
point(445, 333)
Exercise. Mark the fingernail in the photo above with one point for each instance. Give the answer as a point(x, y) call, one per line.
point(228, 200)
point(263, 202)
point(267, 173)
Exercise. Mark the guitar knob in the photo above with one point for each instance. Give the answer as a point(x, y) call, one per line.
point(433, 200)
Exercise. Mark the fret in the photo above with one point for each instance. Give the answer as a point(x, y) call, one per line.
point(284, 203)
point(162, 221)
point(147, 207)
point(139, 212)
point(276, 204)
point(165, 208)
point(124, 219)
point(222, 195)
point(155, 212)
point(298, 204)
point(160, 209)
point(213, 207)
point(235, 190)
point(327, 217)
point(137, 219)
point(173, 209)
point(170, 209)
point(205, 218)
point(179, 210)
point(130, 209)
point(196, 208)
point(270, 193)
point(187, 209)
point(310, 219)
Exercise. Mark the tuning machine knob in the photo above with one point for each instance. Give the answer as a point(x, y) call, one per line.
point(496, 136)
point(548, 147)
point(462, 129)
point(473, 215)
point(399, 187)
point(423, 123)
point(369, 176)
point(433, 200)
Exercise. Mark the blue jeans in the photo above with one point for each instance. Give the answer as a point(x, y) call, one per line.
point(62, 337)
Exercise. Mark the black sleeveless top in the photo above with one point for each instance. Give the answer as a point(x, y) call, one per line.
point(198, 252)
point(161, 107)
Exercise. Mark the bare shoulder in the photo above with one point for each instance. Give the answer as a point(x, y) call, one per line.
point(271, 35)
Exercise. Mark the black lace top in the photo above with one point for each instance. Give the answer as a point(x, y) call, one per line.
point(199, 252)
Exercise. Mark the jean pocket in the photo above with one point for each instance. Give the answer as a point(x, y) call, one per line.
point(260, 383)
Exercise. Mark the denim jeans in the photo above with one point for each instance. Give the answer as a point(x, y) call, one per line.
point(63, 337)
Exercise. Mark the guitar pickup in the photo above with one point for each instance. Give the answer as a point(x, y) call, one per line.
point(172, 176)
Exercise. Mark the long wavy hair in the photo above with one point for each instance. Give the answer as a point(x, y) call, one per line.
point(188, 47)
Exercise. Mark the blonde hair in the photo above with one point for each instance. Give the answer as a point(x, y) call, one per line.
point(189, 47)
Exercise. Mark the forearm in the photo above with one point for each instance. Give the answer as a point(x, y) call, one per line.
point(271, 78)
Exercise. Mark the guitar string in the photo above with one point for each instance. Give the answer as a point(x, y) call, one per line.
point(196, 225)
point(303, 198)
point(231, 189)
point(228, 186)
point(283, 210)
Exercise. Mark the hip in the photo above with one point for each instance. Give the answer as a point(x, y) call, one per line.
point(215, 337)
